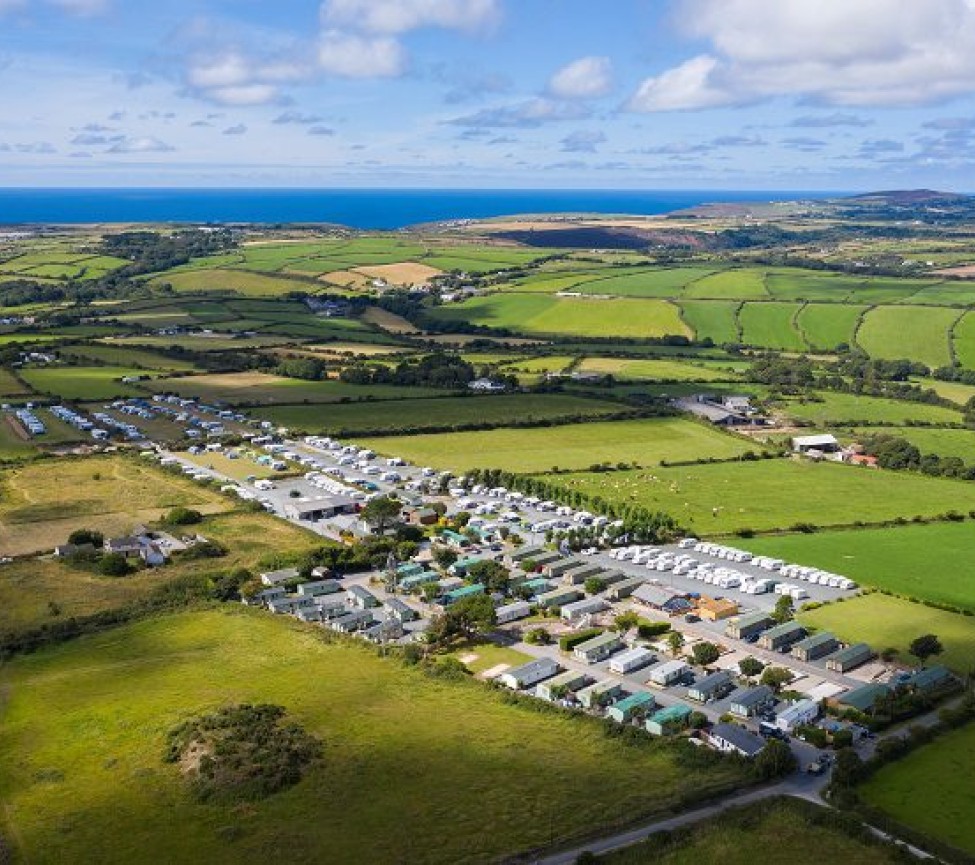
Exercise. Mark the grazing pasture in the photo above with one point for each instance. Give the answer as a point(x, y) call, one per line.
point(651, 282)
point(653, 370)
point(712, 319)
point(930, 440)
point(921, 333)
point(120, 356)
point(848, 408)
point(733, 284)
point(241, 282)
point(771, 325)
point(824, 326)
point(963, 340)
point(82, 382)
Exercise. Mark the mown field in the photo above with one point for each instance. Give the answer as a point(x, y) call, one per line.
point(918, 332)
point(848, 408)
point(653, 370)
point(82, 382)
point(931, 562)
point(734, 284)
point(42, 503)
point(239, 281)
point(930, 790)
point(885, 622)
point(712, 319)
point(771, 325)
point(825, 326)
point(575, 446)
point(775, 494)
point(931, 440)
point(778, 832)
point(376, 417)
point(475, 779)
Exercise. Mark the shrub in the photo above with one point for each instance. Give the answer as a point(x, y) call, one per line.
point(80, 537)
point(183, 517)
point(649, 630)
point(570, 641)
point(114, 565)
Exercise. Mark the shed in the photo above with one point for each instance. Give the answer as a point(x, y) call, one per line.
point(564, 683)
point(781, 636)
point(530, 674)
point(748, 625)
point(850, 658)
point(668, 673)
point(633, 706)
point(711, 687)
point(598, 648)
point(750, 701)
point(667, 722)
point(816, 646)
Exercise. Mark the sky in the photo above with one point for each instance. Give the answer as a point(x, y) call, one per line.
point(617, 94)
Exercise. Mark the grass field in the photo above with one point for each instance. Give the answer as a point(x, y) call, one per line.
point(735, 284)
point(801, 285)
point(776, 494)
point(712, 319)
point(846, 408)
point(254, 388)
point(199, 342)
point(964, 340)
point(544, 314)
point(921, 561)
point(771, 325)
point(932, 440)
point(577, 446)
point(14, 446)
point(887, 622)
point(376, 417)
point(916, 332)
point(240, 281)
point(824, 326)
point(953, 390)
point(930, 790)
point(121, 356)
point(652, 282)
point(775, 832)
point(653, 370)
point(475, 779)
point(42, 503)
point(82, 382)
point(9, 385)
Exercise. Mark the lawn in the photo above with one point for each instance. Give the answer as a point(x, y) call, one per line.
point(964, 340)
point(847, 408)
point(473, 778)
point(653, 370)
point(82, 382)
point(917, 332)
point(576, 446)
point(885, 622)
point(545, 314)
point(771, 325)
point(712, 319)
point(827, 325)
point(931, 790)
point(775, 494)
point(255, 388)
point(932, 562)
point(380, 417)
point(42, 503)
point(774, 832)
point(735, 284)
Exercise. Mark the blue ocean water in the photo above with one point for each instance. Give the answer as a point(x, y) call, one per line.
point(358, 208)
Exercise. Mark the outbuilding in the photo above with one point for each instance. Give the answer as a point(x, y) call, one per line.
point(817, 646)
point(530, 674)
point(781, 636)
point(633, 706)
point(850, 658)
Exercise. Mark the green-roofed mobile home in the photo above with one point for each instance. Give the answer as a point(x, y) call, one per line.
point(637, 704)
point(455, 595)
point(669, 721)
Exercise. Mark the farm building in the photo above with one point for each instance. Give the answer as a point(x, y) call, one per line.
point(637, 704)
point(400, 611)
point(711, 687)
point(797, 714)
point(850, 658)
point(598, 648)
point(665, 600)
point(530, 674)
point(668, 673)
point(702, 406)
point(732, 739)
point(454, 595)
point(931, 679)
point(669, 721)
point(512, 612)
point(746, 626)
point(562, 684)
point(750, 701)
point(632, 659)
point(824, 444)
point(781, 636)
point(361, 598)
point(129, 546)
point(599, 693)
point(274, 578)
point(317, 588)
point(624, 588)
point(558, 597)
point(816, 646)
point(323, 508)
point(716, 609)
point(578, 610)
point(864, 698)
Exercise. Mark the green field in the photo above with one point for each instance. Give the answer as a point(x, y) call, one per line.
point(885, 622)
point(120, 356)
point(13, 446)
point(194, 342)
point(474, 778)
point(577, 446)
point(931, 440)
point(652, 282)
point(735, 284)
point(255, 388)
point(777, 832)
point(9, 385)
point(917, 332)
point(801, 285)
point(771, 325)
point(931, 561)
point(930, 790)
point(239, 281)
point(848, 408)
point(775, 494)
point(653, 370)
point(953, 390)
point(376, 418)
point(712, 319)
point(824, 326)
point(964, 340)
point(543, 314)
point(82, 382)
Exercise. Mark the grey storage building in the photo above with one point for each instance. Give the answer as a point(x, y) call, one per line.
point(781, 636)
point(742, 627)
point(850, 658)
point(816, 646)
point(750, 701)
point(711, 687)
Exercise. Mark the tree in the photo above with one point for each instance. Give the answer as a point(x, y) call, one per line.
point(380, 512)
point(113, 565)
point(444, 556)
point(626, 620)
point(183, 517)
point(784, 610)
point(594, 585)
point(750, 667)
point(848, 768)
point(697, 720)
point(776, 677)
point(775, 760)
point(538, 637)
point(467, 618)
point(705, 653)
point(925, 647)
point(675, 639)
point(79, 537)
point(494, 576)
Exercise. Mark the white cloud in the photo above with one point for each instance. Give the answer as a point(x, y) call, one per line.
point(351, 56)
point(140, 144)
point(582, 141)
point(400, 16)
point(585, 78)
point(868, 52)
point(72, 7)
point(233, 78)
point(523, 115)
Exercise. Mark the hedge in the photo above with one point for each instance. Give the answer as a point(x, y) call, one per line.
point(570, 641)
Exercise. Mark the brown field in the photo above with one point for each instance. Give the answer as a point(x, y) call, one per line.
point(346, 278)
point(465, 338)
point(388, 321)
point(42, 503)
point(365, 349)
point(965, 270)
point(402, 273)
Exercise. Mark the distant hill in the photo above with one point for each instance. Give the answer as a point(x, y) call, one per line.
point(909, 198)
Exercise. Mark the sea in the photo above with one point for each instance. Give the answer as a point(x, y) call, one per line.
point(357, 208)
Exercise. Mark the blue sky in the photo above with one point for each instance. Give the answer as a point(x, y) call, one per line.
point(653, 94)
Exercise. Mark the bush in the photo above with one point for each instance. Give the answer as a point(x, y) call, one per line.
point(114, 565)
point(80, 537)
point(538, 637)
point(570, 641)
point(649, 630)
point(183, 517)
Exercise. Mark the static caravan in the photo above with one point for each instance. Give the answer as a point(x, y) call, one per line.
point(632, 659)
point(797, 714)
point(578, 575)
point(530, 674)
point(624, 588)
point(711, 687)
point(580, 609)
point(750, 701)
point(636, 705)
point(512, 612)
point(667, 722)
point(746, 626)
point(565, 683)
point(668, 673)
point(599, 693)
point(598, 648)
point(558, 597)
